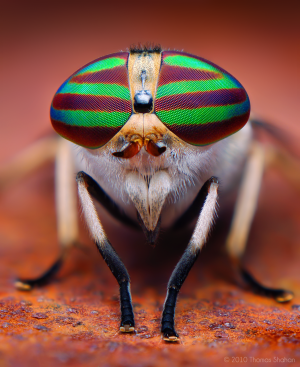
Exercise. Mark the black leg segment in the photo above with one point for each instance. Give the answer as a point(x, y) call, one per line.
point(120, 273)
point(167, 322)
point(188, 259)
point(28, 284)
point(280, 295)
point(177, 279)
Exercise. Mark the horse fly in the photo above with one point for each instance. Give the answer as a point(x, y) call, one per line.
point(153, 132)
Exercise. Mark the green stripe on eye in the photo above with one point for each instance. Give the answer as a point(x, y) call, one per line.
point(108, 63)
point(189, 62)
point(195, 86)
point(99, 89)
point(202, 115)
point(90, 118)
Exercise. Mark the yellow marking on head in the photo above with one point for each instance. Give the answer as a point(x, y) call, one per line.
point(139, 62)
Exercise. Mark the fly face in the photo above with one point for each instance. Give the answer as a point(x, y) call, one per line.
point(149, 119)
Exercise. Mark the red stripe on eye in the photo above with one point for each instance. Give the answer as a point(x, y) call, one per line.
point(68, 101)
point(209, 133)
point(171, 74)
point(221, 97)
point(89, 137)
point(117, 75)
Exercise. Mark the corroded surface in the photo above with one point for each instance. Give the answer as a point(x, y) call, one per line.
point(77, 330)
point(74, 320)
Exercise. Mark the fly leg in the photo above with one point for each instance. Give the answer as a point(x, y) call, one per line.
point(107, 251)
point(66, 208)
point(199, 237)
point(242, 219)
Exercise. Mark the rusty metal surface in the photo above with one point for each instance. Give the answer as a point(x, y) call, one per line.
point(74, 320)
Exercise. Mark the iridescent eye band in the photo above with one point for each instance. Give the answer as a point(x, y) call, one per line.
point(195, 99)
point(198, 101)
point(94, 103)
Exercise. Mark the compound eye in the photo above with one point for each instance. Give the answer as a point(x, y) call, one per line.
point(197, 100)
point(94, 103)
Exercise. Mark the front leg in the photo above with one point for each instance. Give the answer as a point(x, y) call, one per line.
point(188, 259)
point(107, 251)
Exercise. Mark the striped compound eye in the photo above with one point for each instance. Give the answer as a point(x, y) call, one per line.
point(197, 100)
point(94, 103)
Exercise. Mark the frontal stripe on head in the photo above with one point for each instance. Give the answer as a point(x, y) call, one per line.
point(94, 103)
point(195, 97)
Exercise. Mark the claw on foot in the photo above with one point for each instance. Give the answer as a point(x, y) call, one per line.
point(284, 296)
point(22, 286)
point(280, 295)
point(127, 328)
point(28, 284)
point(170, 336)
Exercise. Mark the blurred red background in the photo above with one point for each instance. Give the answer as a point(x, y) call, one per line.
point(42, 43)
